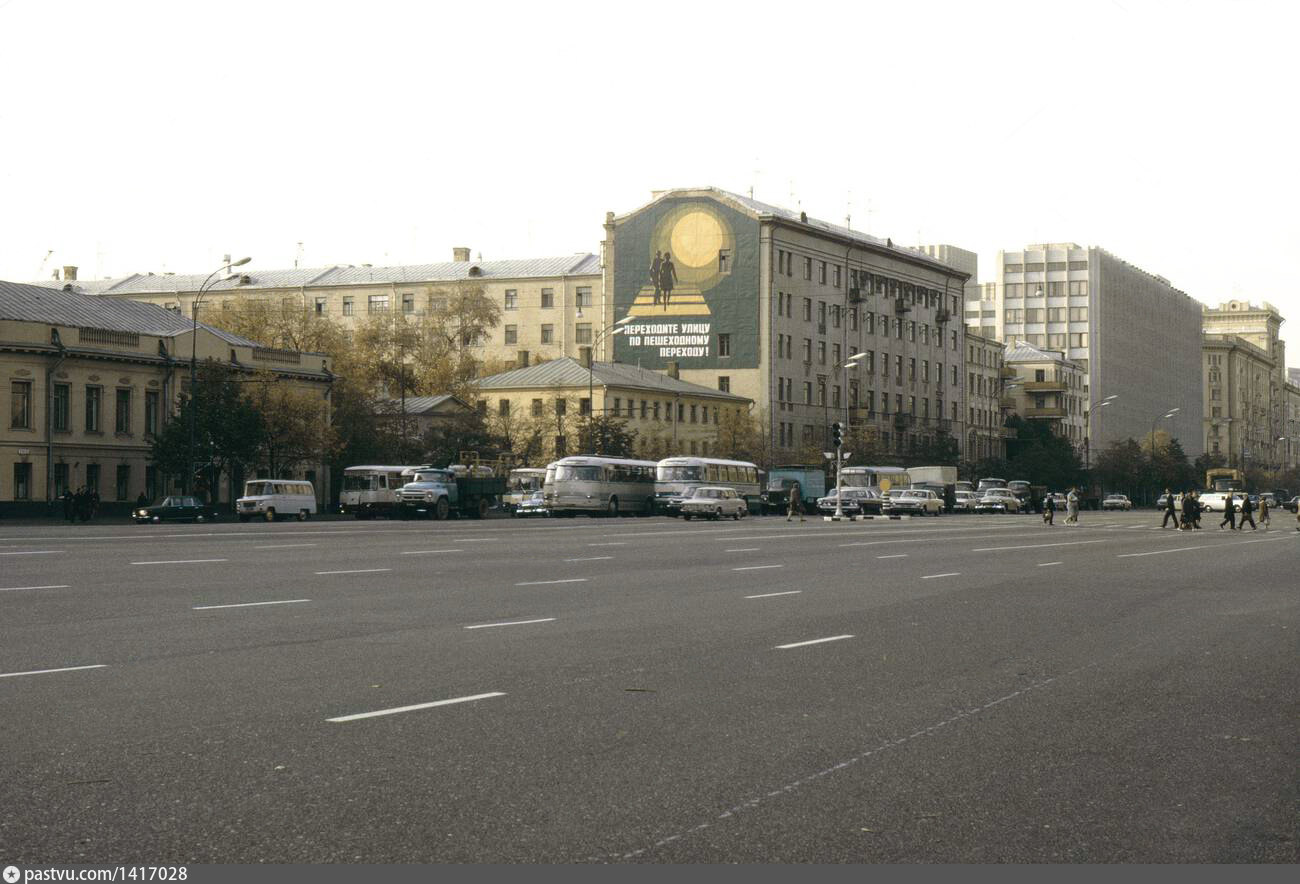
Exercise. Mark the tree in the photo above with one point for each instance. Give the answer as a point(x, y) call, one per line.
point(228, 429)
point(443, 442)
point(1041, 456)
point(607, 435)
point(296, 429)
point(743, 436)
point(1120, 466)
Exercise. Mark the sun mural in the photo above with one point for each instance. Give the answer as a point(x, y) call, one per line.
point(691, 251)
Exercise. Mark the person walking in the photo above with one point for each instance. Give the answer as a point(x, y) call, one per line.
point(1247, 514)
point(1188, 505)
point(1072, 505)
point(1263, 512)
point(796, 503)
point(1171, 511)
point(69, 513)
point(1049, 510)
point(1196, 510)
point(1229, 514)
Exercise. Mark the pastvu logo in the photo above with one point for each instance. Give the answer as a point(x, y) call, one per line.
point(12, 874)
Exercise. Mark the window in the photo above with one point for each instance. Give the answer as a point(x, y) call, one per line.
point(835, 354)
point(584, 296)
point(512, 334)
point(911, 331)
point(1078, 314)
point(807, 392)
point(92, 477)
point(821, 392)
point(1078, 339)
point(377, 303)
point(694, 412)
point(835, 276)
point(123, 483)
point(561, 406)
point(643, 409)
point(807, 268)
point(1056, 314)
point(807, 309)
point(93, 395)
point(1012, 290)
point(1014, 316)
point(1014, 268)
point(911, 369)
point(122, 423)
point(22, 481)
point(807, 350)
point(618, 405)
point(320, 306)
point(821, 314)
point(347, 307)
point(898, 367)
point(1056, 341)
point(20, 409)
point(60, 479)
point(582, 333)
point(63, 407)
point(821, 273)
point(511, 299)
point(537, 408)
point(548, 299)
point(1034, 314)
point(724, 345)
point(724, 260)
point(835, 315)
point(724, 383)
point(925, 371)
point(548, 333)
point(1079, 287)
point(869, 322)
point(821, 352)
point(853, 319)
point(1056, 289)
point(1034, 267)
point(584, 405)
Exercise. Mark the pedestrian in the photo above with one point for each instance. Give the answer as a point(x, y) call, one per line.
point(1049, 510)
point(1247, 514)
point(92, 499)
point(796, 503)
point(1188, 505)
point(1196, 510)
point(1171, 513)
point(1072, 504)
point(1263, 512)
point(1229, 514)
point(142, 500)
point(68, 512)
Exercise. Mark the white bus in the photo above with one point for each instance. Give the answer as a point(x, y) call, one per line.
point(274, 498)
point(522, 482)
point(370, 491)
point(592, 484)
point(677, 477)
point(874, 477)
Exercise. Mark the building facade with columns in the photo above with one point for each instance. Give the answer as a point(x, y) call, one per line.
point(87, 383)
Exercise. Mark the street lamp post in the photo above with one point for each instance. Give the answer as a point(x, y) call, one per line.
point(194, 345)
point(1167, 415)
point(591, 374)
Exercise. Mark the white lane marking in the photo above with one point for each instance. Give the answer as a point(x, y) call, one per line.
point(1161, 552)
point(1048, 564)
point(357, 571)
point(746, 549)
point(816, 641)
point(33, 552)
point(620, 543)
point(16, 588)
point(545, 582)
point(948, 574)
point(590, 559)
point(395, 711)
point(285, 546)
point(250, 604)
point(1036, 545)
point(182, 562)
point(48, 671)
point(429, 552)
point(757, 567)
point(894, 556)
point(768, 595)
point(511, 623)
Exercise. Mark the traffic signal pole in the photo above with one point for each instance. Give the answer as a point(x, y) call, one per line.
point(837, 436)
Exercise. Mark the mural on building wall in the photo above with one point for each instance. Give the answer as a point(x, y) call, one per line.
point(687, 269)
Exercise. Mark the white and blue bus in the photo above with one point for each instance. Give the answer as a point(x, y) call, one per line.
point(598, 485)
point(875, 477)
point(677, 477)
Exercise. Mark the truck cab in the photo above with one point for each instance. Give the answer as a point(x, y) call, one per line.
point(431, 493)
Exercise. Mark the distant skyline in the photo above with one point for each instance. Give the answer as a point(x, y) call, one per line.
point(157, 137)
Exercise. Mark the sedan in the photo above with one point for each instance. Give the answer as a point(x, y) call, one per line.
point(175, 509)
point(1293, 504)
point(966, 501)
point(1116, 502)
point(998, 500)
point(854, 499)
point(710, 502)
point(533, 504)
point(913, 501)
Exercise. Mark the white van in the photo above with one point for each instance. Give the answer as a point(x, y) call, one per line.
point(276, 498)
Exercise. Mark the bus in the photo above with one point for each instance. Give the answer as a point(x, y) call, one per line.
point(874, 477)
point(370, 491)
point(677, 477)
point(521, 483)
point(598, 485)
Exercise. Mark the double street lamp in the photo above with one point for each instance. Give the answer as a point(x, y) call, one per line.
point(194, 344)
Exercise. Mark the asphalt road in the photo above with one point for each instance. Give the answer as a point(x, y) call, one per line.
point(960, 689)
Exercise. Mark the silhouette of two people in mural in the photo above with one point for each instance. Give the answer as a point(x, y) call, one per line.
point(664, 276)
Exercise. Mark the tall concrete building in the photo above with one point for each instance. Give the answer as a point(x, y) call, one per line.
point(1136, 337)
point(767, 303)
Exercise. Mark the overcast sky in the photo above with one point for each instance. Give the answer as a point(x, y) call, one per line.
point(159, 136)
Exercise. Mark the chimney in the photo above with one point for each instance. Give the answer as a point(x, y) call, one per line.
point(584, 356)
point(673, 371)
point(69, 273)
point(460, 253)
point(521, 361)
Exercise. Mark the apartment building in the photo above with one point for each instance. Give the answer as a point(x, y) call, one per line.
point(549, 306)
point(1136, 337)
point(87, 383)
point(1043, 385)
point(814, 322)
point(985, 435)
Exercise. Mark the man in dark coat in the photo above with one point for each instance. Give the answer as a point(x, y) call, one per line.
point(1229, 514)
point(1049, 510)
point(1247, 514)
point(1171, 510)
point(1196, 510)
point(795, 503)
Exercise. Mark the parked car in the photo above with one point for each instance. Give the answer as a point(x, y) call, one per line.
point(1293, 504)
point(853, 498)
point(966, 501)
point(913, 501)
point(997, 500)
point(1116, 502)
point(531, 504)
point(175, 509)
point(714, 502)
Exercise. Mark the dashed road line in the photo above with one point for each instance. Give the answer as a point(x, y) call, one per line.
point(286, 546)
point(746, 549)
point(1036, 545)
point(17, 588)
point(894, 556)
point(250, 604)
point(547, 582)
point(948, 574)
point(510, 623)
point(182, 562)
point(48, 671)
point(1048, 564)
point(757, 567)
point(591, 559)
point(618, 543)
point(33, 552)
point(417, 706)
point(768, 595)
point(815, 641)
point(429, 552)
point(354, 571)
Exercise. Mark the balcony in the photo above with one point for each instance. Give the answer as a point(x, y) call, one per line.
point(1045, 386)
point(901, 307)
point(1008, 402)
point(1043, 413)
point(941, 316)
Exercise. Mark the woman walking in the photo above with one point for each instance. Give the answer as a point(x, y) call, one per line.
point(1072, 504)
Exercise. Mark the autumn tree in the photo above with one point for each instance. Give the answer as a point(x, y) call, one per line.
point(296, 429)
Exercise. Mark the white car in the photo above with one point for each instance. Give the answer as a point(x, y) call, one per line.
point(966, 501)
point(1116, 502)
point(916, 501)
point(709, 502)
point(997, 500)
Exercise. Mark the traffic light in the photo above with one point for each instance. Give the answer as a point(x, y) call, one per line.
point(837, 434)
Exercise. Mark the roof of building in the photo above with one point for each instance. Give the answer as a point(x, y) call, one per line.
point(1023, 352)
point(799, 218)
point(32, 303)
point(582, 264)
point(568, 372)
point(424, 404)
